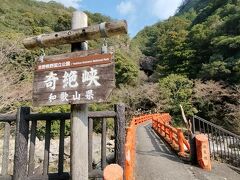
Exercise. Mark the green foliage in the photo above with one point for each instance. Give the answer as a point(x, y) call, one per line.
point(23, 18)
point(126, 70)
point(200, 41)
point(177, 89)
point(216, 70)
point(186, 43)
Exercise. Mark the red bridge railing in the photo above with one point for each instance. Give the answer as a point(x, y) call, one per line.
point(161, 123)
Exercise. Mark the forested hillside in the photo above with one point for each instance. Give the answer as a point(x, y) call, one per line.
point(197, 59)
point(23, 18)
point(201, 42)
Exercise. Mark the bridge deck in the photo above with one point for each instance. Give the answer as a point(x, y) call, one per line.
point(154, 161)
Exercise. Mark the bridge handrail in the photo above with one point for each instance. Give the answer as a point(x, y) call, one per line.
point(223, 144)
point(174, 136)
point(157, 120)
point(216, 126)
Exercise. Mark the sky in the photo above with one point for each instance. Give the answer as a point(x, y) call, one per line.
point(138, 13)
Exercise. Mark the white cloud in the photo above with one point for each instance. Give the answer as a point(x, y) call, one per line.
point(126, 7)
point(66, 3)
point(164, 8)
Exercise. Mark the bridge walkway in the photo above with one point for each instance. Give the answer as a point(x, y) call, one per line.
point(154, 161)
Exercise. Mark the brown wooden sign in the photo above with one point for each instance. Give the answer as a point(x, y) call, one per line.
point(72, 62)
point(74, 80)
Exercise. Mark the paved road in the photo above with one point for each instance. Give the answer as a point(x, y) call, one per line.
point(155, 161)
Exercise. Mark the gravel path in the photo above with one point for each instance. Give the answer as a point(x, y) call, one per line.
point(154, 161)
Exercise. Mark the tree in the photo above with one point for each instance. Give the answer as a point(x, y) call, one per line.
point(126, 70)
point(177, 89)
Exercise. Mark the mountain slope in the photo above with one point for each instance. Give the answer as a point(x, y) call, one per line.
point(23, 18)
point(201, 41)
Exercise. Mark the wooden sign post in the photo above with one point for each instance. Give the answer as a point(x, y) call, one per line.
point(77, 78)
point(79, 117)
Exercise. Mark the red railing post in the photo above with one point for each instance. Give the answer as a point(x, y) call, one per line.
point(180, 142)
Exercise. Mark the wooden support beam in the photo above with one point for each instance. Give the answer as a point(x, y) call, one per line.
point(107, 29)
point(47, 148)
point(103, 143)
point(31, 163)
point(5, 158)
point(120, 135)
point(56, 116)
point(61, 147)
point(79, 117)
point(21, 144)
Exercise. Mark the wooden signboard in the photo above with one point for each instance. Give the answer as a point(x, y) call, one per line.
point(73, 80)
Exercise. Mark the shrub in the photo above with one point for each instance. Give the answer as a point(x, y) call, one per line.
point(177, 89)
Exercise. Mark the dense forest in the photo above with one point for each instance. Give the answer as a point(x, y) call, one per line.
point(192, 59)
point(197, 59)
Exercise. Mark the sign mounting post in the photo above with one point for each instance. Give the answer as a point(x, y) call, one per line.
point(77, 78)
point(79, 117)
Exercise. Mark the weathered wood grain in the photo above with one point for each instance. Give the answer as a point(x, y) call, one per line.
point(8, 117)
point(106, 80)
point(90, 143)
point(61, 147)
point(103, 143)
point(96, 174)
point(75, 35)
point(31, 163)
point(5, 155)
point(21, 144)
point(72, 55)
point(47, 147)
point(79, 117)
point(7, 177)
point(79, 142)
point(120, 134)
point(56, 116)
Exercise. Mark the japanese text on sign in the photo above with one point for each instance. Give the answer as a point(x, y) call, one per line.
point(70, 80)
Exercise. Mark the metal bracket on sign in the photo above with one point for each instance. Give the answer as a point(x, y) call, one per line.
point(104, 48)
point(42, 55)
point(102, 29)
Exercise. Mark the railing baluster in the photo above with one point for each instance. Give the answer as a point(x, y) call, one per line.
point(238, 150)
point(31, 164)
point(212, 138)
point(103, 143)
point(5, 157)
point(220, 143)
point(234, 149)
point(193, 124)
point(209, 140)
point(199, 124)
point(61, 147)
point(204, 131)
point(216, 137)
point(227, 146)
point(47, 147)
point(231, 145)
point(224, 145)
